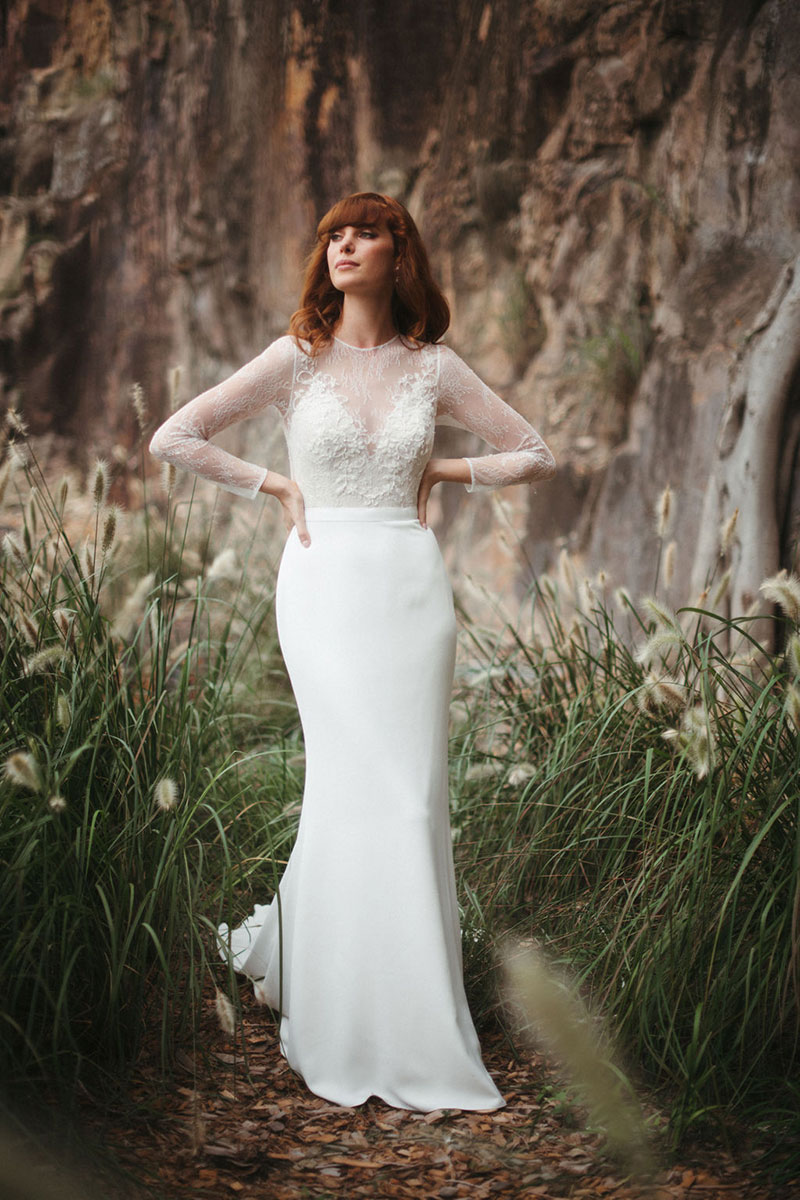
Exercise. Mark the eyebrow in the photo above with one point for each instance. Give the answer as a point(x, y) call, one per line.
point(356, 225)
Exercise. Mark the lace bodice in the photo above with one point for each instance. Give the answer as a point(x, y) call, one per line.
point(359, 424)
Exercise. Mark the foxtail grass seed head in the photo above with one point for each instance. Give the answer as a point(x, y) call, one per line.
point(224, 566)
point(623, 599)
point(793, 705)
point(663, 615)
point(63, 619)
point(16, 423)
point(168, 476)
point(63, 492)
point(46, 659)
point(109, 530)
point(166, 794)
point(660, 645)
point(225, 1013)
point(174, 384)
point(26, 627)
point(89, 554)
point(793, 654)
point(721, 591)
point(783, 589)
point(726, 532)
point(697, 740)
point(519, 775)
point(566, 571)
point(22, 769)
point(139, 406)
point(659, 694)
point(556, 1018)
point(6, 475)
point(127, 620)
point(101, 483)
point(15, 551)
point(63, 712)
point(669, 563)
point(488, 769)
point(57, 803)
point(664, 512)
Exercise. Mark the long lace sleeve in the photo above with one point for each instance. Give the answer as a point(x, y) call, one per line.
point(183, 439)
point(465, 400)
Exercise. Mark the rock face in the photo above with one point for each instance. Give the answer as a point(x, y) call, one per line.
point(611, 194)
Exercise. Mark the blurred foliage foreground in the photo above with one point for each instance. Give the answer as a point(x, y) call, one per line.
point(624, 787)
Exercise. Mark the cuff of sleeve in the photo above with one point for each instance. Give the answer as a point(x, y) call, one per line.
point(471, 486)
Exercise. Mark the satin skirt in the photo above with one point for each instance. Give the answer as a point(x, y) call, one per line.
point(360, 950)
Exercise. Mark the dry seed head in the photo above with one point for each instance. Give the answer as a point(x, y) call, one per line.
point(659, 646)
point(126, 621)
point(520, 774)
point(63, 712)
point(6, 474)
point(63, 492)
point(225, 1013)
point(174, 384)
point(721, 591)
point(224, 566)
point(726, 532)
point(664, 511)
point(168, 475)
point(15, 551)
point(44, 659)
point(63, 619)
point(89, 556)
point(661, 693)
point(27, 627)
point(57, 803)
point(109, 530)
point(488, 769)
point(664, 616)
point(17, 457)
point(783, 589)
point(101, 483)
point(566, 570)
point(623, 598)
point(557, 1018)
point(139, 406)
point(22, 769)
point(16, 422)
point(166, 794)
point(793, 705)
point(793, 654)
point(669, 563)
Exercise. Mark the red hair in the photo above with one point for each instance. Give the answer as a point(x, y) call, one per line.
point(419, 309)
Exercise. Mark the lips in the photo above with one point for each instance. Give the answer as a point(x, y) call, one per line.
point(345, 262)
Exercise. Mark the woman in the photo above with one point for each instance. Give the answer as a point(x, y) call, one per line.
point(360, 951)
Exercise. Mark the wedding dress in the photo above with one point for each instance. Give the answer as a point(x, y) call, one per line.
point(360, 950)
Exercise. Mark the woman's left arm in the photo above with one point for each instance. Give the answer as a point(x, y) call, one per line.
point(465, 400)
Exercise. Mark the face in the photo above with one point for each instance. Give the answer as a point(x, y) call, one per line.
point(361, 258)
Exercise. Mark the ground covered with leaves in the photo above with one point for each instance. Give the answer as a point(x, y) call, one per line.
point(250, 1129)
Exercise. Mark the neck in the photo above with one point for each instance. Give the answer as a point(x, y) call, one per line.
point(366, 321)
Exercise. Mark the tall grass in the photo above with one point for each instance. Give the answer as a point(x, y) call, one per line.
point(126, 764)
point(627, 793)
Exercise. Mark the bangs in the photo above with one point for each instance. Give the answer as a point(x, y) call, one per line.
point(364, 208)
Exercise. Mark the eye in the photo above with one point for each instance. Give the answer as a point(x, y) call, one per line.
point(335, 237)
point(368, 233)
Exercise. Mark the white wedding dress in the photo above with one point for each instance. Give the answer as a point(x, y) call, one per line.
point(360, 950)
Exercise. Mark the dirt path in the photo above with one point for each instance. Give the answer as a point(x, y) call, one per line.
point(258, 1134)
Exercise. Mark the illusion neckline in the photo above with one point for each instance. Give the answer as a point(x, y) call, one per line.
point(364, 349)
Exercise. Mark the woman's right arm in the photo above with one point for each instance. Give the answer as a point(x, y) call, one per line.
point(184, 438)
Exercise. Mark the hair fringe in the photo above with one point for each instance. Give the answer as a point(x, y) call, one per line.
point(420, 311)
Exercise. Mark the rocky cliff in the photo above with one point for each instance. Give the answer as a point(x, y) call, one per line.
point(611, 193)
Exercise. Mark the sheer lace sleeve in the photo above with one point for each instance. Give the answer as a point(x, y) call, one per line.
point(183, 439)
point(463, 399)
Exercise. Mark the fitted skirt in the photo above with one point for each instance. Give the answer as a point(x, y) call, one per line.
point(359, 952)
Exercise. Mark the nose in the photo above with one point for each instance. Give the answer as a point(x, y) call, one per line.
point(348, 244)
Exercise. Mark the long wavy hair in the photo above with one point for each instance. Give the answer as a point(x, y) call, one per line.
point(419, 310)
